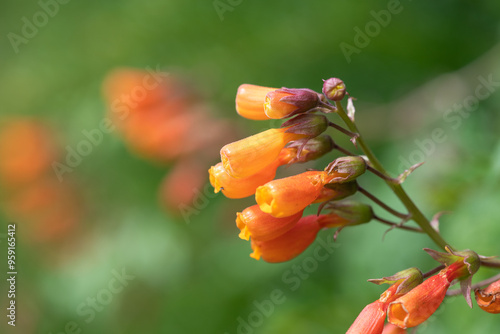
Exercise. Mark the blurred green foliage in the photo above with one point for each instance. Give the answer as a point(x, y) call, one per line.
point(196, 276)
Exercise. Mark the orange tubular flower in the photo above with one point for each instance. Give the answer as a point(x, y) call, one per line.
point(247, 156)
point(372, 317)
point(258, 225)
point(285, 197)
point(370, 320)
point(489, 299)
point(419, 304)
point(250, 101)
point(393, 329)
point(233, 187)
point(288, 245)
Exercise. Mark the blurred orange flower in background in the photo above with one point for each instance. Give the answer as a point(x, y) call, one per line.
point(161, 118)
point(48, 209)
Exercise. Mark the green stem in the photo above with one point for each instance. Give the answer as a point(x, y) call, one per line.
point(493, 263)
point(416, 214)
point(395, 225)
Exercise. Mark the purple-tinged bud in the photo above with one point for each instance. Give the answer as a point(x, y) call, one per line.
point(334, 89)
point(307, 124)
point(346, 169)
point(287, 102)
point(311, 149)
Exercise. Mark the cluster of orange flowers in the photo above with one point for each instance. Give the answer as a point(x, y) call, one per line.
point(48, 209)
point(275, 225)
point(162, 119)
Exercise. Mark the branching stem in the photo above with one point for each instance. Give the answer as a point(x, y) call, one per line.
point(382, 204)
point(395, 225)
point(398, 190)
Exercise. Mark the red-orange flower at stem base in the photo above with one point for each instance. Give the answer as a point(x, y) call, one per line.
point(255, 224)
point(488, 299)
point(370, 320)
point(393, 329)
point(250, 101)
point(372, 317)
point(420, 303)
point(288, 245)
point(247, 156)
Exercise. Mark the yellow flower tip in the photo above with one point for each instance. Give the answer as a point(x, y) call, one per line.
point(212, 172)
point(265, 200)
point(226, 162)
point(275, 109)
point(256, 254)
point(244, 232)
point(250, 101)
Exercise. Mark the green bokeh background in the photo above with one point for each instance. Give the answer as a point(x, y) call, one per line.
point(195, 276)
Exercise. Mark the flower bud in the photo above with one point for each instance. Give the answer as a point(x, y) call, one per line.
point(334, 89)
point(250, 101)
point(460, 264)
point(288, 245)
point(336, 191)
point(407, 279)
point(488, 299)
point(345, 169)
point(255, 224)
point(286, 102)
point(312, 149)
point(307, 124)
point(349, 212)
